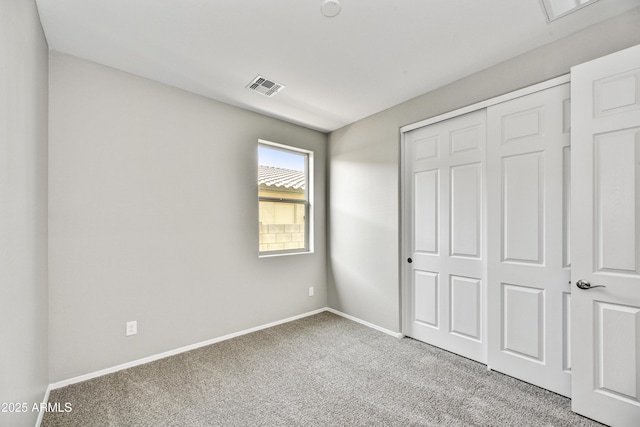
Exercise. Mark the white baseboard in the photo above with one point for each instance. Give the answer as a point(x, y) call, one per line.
point(173, 352)
point(45, 399)
point(364, 322)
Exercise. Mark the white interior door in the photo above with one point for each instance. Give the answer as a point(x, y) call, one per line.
point(444, 205)
point(605, 238)
point(528, 252)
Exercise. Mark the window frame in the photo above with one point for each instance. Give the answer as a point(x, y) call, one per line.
point(307, 201)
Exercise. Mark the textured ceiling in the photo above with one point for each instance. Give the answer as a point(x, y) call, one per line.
point(373, 55)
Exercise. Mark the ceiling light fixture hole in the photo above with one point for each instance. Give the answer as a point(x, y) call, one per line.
point(331, 8)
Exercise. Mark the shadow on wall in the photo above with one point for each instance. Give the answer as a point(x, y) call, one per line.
point(363, 259)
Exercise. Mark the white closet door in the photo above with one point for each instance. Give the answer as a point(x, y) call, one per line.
point(606, 238)
point(444, 205)
point(528, 251)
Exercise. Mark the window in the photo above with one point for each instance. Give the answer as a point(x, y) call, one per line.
point(284, 199)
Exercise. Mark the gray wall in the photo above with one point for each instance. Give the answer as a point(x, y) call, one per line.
point(153, 217)
point(23, 210)
point(364, 168)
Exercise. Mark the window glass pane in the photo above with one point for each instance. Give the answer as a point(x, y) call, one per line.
point(283, 159)
point(283, 205)
point(282, 226)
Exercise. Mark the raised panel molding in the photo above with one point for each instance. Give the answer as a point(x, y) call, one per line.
point(566, 332)
point(617, 94)
point(566, 116)
point(426, 298)
point(465, 140)
point(426, 231)
point(617, 181)
point(426, 148)
point(566, 207)
point(523, 208)
point(523, 125)
point(617, 355)
point(466, 307)
point(466, 210)
point(523, 321)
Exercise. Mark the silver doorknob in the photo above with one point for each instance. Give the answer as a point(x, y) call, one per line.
point(583, 284)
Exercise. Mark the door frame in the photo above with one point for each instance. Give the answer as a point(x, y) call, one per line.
point(404, 215)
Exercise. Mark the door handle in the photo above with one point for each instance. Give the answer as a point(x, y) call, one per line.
point(409, 260)
point(583, 284)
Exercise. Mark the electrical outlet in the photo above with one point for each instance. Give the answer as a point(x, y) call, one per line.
point(132, 327)
point(310, 291)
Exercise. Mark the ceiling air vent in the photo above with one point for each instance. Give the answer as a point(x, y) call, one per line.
point(555, 9)
point(265, 86)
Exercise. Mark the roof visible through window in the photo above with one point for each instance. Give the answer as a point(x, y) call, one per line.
point(268, 156)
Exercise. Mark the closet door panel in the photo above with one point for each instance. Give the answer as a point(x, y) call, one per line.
point(444, 165)
point(528, 258)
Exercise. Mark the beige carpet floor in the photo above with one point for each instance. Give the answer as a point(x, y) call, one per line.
point(322, 370)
